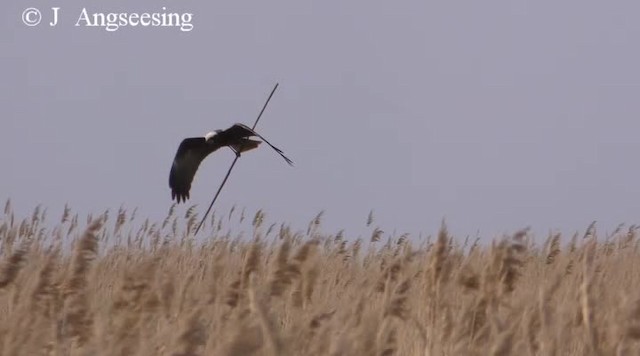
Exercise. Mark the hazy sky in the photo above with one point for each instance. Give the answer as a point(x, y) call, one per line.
point(492, 114)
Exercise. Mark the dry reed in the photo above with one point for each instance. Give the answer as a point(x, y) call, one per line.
point(109, 288)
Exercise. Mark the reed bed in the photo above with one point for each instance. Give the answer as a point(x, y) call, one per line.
point(108, 285)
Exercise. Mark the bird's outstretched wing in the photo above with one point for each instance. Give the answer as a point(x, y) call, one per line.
point(185, 164)
point(241, 130)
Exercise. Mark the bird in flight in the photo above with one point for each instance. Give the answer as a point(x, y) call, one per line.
point(193, 150)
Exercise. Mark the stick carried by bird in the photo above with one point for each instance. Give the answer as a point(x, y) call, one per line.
point(193, 150)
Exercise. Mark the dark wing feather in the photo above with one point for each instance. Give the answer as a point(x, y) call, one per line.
point(190, 154)
point(242, 130)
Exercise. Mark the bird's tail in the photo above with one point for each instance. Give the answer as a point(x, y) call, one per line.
point(245, 145)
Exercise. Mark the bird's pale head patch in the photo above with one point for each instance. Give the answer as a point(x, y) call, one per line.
point(209, 135)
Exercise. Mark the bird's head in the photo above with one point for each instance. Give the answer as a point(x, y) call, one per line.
point(209, 135)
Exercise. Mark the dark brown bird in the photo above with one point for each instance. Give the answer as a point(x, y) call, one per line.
point(192, 151)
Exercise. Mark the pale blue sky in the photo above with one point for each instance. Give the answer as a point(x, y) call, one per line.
point(494, 114)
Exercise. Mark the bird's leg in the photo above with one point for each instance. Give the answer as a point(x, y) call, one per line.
point(235, 151)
